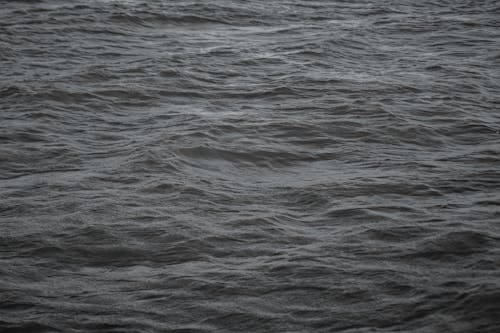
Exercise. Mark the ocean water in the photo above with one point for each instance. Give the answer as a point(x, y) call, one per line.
point(250, 166)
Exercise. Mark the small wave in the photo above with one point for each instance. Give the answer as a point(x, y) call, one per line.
point(457, 243)
point(253, 157)
point(146, 19)
point(10, 91)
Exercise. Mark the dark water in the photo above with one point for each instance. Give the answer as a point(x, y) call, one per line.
point(250, 166)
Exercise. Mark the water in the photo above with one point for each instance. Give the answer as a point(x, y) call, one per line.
point(237, 166)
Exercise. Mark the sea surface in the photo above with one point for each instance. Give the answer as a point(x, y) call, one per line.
point(250, 166)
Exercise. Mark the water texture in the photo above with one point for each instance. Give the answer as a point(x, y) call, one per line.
point(250, 166)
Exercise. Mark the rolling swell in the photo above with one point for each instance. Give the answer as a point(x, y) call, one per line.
point(285, 166)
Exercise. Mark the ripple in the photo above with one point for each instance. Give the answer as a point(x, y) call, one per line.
point(227, 166)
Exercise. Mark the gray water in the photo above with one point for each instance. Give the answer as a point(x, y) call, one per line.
point(249, 166)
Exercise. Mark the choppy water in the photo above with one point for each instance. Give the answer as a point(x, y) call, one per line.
point(257, 166)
